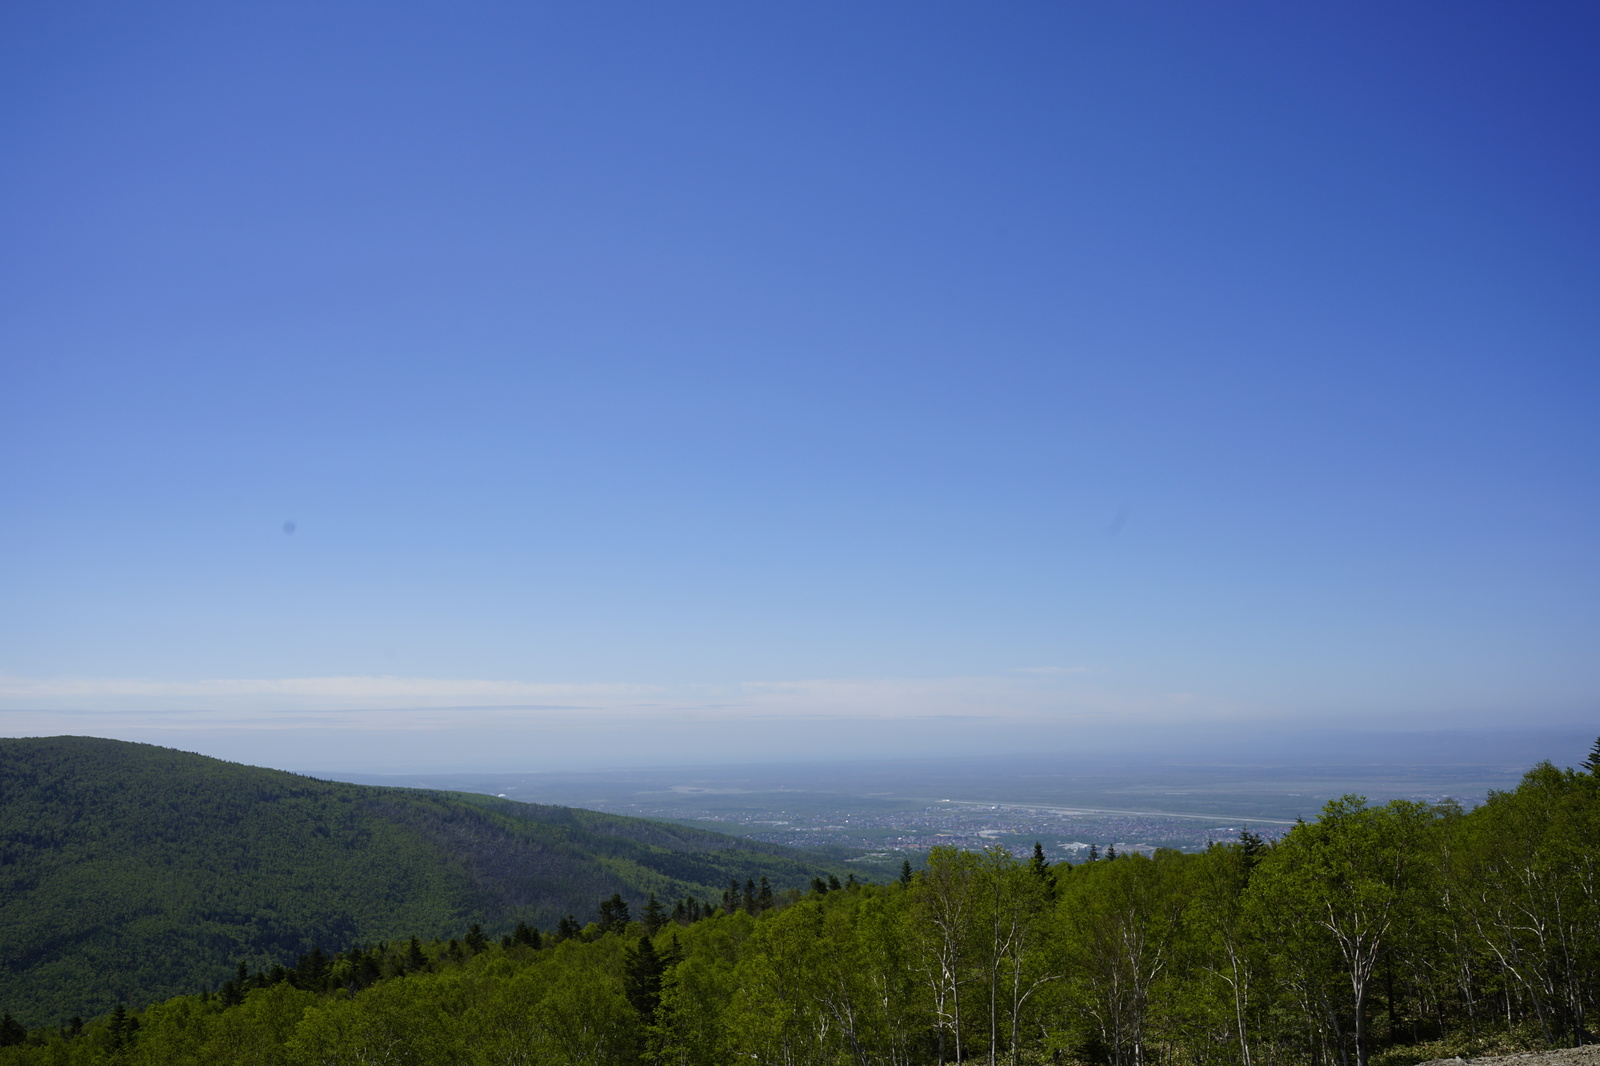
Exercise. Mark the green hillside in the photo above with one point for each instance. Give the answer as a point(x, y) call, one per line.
point(130, 872)
point(1377, 935)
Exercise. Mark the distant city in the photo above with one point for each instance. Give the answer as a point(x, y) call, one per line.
point(1066, 835)
point(890, 810)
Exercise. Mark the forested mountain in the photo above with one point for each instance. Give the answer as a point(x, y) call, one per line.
point(130, 872)
point(1374, 935)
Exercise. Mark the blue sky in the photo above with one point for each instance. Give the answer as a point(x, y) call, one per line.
point(656, 382)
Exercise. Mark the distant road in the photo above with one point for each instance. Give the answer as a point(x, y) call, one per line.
point(1106, 810)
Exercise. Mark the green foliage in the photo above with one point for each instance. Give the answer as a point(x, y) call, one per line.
point(613, 914)
point(1389, 935)
point(1350, 885)
point(130, 872)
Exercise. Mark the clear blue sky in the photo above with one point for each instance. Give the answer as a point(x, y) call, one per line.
point(671, 380)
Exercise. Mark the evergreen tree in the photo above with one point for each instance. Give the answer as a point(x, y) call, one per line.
point(233, 989)
point(11, 1032)
point(568, 928)
point(477, 943)
point(415, 959)
point(613, 914)
point(750, 895)
point(311, 970)
point(117, 1029)
point(1038, 865)
point(1251, 846)
point(371, 970)
point(905, 871)
point(642, 968)
point(764, 895)
point(833, 883)
point(731, 897)
point(1592, 763)
point(1094, 853)
point(819, 887)
point(674, 952)
point(527, 937)
point(1111, 852)
point(653, 917)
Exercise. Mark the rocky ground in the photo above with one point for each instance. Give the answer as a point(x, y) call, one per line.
point(1588, 1055)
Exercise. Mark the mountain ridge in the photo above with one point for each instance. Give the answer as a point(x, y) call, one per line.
point(121, 864)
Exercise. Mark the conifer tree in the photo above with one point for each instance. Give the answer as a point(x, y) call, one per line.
point(371, 969)
point(653, 917)
point(1251, 846)
point(614, 915)
point(1039, 866)
point(643, 969)
point(234, 988)
point(1592, 763)
point(117, 1029)
point(310, 970)
point(905, 871)
point(764, 895)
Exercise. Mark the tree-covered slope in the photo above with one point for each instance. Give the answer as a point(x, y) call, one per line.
point(1374, 936)
point(130, 872)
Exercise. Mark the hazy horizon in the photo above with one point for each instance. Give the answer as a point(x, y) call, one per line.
point(489, 753)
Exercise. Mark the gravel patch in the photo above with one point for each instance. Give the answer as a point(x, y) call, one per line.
point(1588, 1055)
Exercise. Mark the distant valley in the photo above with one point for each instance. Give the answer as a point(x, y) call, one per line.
point(130, 872)
point(888, 807)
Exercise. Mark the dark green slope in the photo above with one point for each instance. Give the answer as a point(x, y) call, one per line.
point(130, 872)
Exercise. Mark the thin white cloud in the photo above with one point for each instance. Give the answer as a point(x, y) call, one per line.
point(403, 703)
point(358, 688)
point(418, 723)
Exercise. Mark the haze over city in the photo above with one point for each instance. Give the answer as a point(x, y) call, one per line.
point(524, 388)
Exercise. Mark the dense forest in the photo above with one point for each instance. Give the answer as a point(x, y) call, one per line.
point(130, 872)
point(1376, 934)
